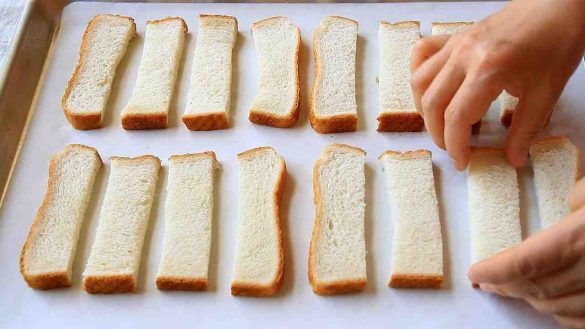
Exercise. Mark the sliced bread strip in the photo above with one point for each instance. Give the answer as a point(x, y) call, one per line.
point(397, 110)
point(494, 203)
point(333, 103)
point(114, 260)
point(450, 28)
point(278, 42)
point(208, 101)
point(556, 166)
point(259, 256)
point(508, 104)
point(188, 222)
point(417, 255)
point(148, 107)
point(103, 46)
point(47, 255)
point(337, 255)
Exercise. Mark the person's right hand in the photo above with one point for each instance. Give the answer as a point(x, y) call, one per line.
point(530, 48)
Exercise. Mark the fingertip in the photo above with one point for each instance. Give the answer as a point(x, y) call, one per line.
point(518, 158)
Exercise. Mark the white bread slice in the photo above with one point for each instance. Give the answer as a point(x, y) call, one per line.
point(148, 107)
point(47, 255)
point(259, 257)
point(278, 42)
point(208, 101)
point(188, 222)
point(508, 104)
point(556, 166)
point(417, 254)
point(333, 103)
point(450, 28)
point(494, 203)
point(103, 46)
point(397, 110)
point(114, 260)
point(337, 255)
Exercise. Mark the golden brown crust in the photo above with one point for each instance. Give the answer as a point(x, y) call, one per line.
point(407, 154)
point(142, 121)
point(457, 23)
point(403, 280)
point(268, 20)
point(92, 120)
point(345, 19)
point(141, 157)
point(109, 284)
point(400, 23)
point(336, 287)
point(206, 120)
point(169, 19)
point(400, 121)
point(58, 279)
point(206, 154)
point(226, 17)
point(181, 283)
point(506, 117)
point(258, 290)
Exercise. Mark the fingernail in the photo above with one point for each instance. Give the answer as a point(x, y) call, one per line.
point(487, 287)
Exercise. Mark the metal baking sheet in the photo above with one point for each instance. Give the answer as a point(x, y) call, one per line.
point(456, 305)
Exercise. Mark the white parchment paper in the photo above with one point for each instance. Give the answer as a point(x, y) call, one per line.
point(457, 305)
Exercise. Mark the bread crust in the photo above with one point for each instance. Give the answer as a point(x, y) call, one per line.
point(395, 121)
point(263, 117)
point(420, 153)
point(168, 19)
point(222, 17)
point(206, 120)
point(424, 281)
point(399, 23)
point(181, 283)
point(239, 288)
point(457, 23)
point(334, 287)
point(109, 283)
point(49, 280)
point(206, 154)
point(92, 120)
point(337, 123)
point(141, 157)
point(142, 121)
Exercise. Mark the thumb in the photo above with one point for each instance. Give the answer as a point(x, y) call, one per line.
point(546, 251)
point(530, 116)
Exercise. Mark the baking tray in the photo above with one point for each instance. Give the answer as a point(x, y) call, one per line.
point(33, 126)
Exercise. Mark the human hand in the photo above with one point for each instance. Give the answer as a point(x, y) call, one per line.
point(530, 48)
point(547, 269)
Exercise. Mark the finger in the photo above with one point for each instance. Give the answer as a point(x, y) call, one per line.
point(423, 72)
point(565, 281)
point(544, 252)
point(577, 195)
point(571, 305)
point(425, 48)
point(438, 96)
point(467, 107)
point(571, 322)
point(530, 116)
point(518, 289)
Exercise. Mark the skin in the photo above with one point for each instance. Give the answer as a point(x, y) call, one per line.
point(530, 49)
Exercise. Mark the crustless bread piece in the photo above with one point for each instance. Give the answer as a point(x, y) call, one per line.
point(494, 203)
point(148, 107)
point(47, 255)
point(114, 260)
point(333, 103)
point(259, 256)
point(188, 222)
point(556, 166)
point(450, 28)
point(337, 255)
point(103, 46)
point(397, 110)
point(417, 255)
point(508, 104)
point(208, 101)
point(278, 43)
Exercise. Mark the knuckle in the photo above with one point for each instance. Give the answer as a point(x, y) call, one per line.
point(428, 102)
point(423, 46)
point(418, 80)
point(524, 267)
point(454, 116)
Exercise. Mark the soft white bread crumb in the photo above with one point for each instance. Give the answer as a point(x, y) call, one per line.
point(188, 222)
point(103, 46)
point(114, 260)
point(397, 109)
point(333, 104)
point(278, 43)
point(337, 255)
point(208, 101)
point(47, 255)
point(508, 104)
point(555, 162)
point(259, 256)
point(494, 203)
point(148, 107)
point(417, 254)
